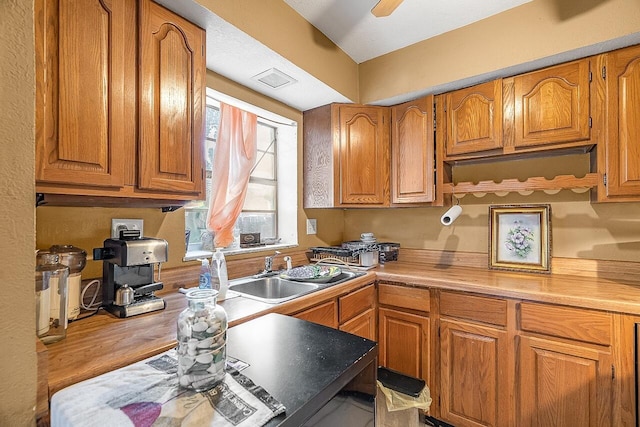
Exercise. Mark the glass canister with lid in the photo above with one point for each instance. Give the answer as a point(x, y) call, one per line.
point(76, 259)
point(51, 297)
point(202, 338)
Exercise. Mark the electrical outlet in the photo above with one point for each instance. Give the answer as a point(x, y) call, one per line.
point(125, 224)
point(312, 226)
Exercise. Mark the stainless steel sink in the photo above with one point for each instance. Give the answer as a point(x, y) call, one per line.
point(274, 289)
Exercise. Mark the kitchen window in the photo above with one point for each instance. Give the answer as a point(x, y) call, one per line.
point(270, 207)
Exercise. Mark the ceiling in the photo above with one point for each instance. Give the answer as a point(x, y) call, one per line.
point(362, 36)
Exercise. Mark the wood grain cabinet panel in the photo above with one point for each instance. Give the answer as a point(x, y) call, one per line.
point(578, 324)
point(404, 342)
point(356, 302)
point(473, 365)
point(363, 325)
point(364, 155)
point(84, 65)
point(346, 156)
point(324, 314)
point(552, 105)
point(474, 119)
point(564, 385)
point(566, 366)
point(473, 307)
point(357, 313)
point(172, 101)
point(404, 296)
point(623, 130)
point(412, 152)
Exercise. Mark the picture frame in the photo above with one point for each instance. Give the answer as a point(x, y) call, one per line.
point(520, 238)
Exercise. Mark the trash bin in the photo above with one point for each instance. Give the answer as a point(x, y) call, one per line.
point(399, 398)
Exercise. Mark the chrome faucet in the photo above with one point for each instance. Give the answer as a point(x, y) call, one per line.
point(268, 263)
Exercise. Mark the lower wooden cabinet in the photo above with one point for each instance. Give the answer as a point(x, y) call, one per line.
point(492, 361)
point(363, 325)
point(566, 366)
point(564, 384)
point(474, 389)
point(324, 314)
point(404, 330)
point(474, 360)
point(354, 312)
point(404, 342)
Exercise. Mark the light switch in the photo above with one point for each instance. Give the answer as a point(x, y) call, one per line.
point(312, 226)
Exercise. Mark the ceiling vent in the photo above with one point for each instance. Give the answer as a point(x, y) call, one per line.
point(274, 78)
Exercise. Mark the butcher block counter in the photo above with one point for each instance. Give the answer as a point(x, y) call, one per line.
point(586, 292)
point(103, 342)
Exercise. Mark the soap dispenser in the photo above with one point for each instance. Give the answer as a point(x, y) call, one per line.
point(219, 277)
point(205, 275)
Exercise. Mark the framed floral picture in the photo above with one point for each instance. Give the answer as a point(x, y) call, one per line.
point(520, 238)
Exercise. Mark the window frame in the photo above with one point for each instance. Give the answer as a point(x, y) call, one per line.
point(280, 125)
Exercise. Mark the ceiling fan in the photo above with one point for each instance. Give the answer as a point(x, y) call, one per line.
point(385, 7)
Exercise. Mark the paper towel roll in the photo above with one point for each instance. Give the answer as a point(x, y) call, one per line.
point(451, 215)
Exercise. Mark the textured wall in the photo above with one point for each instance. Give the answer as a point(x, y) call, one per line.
point(17, 304)
point(580, 229)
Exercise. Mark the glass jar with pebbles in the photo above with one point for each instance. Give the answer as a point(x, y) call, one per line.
point(202, 338)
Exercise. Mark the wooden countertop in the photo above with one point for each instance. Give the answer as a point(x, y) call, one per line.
point(586, 292)
point(103, 342)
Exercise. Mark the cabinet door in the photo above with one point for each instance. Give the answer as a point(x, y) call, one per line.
point(623, 122)
point(473, 366)
point(404, 342)
point(563, 384)
point(552, 105)
point(363, 325)
point(172, 101)
point(85, 91)
point(324, 314)
point(364, 155)
point(474, 119)
point(412, 152)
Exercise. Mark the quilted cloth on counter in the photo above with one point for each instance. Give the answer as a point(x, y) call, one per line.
point(147, 394)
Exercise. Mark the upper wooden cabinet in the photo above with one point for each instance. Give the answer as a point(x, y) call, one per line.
point(412, 152)
point(346, 156)
point(473, 119)
point(541, 110)
point(94, 136)
point(85, 91)
point(172, 101)
point(552, 105)
point(622, 134)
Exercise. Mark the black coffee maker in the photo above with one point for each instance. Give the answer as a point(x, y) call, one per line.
point(128, 273)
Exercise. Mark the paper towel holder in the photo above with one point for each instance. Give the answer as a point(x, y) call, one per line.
point(452, 214)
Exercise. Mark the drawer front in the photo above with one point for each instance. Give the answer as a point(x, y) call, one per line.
point(323, 314)
point(404, 296)
point(356, 302)
point(472, 307)
point(566, 322)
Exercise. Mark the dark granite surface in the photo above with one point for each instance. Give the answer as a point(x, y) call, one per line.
point(300, 363)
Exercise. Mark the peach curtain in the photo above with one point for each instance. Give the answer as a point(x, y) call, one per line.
point(234, 157)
